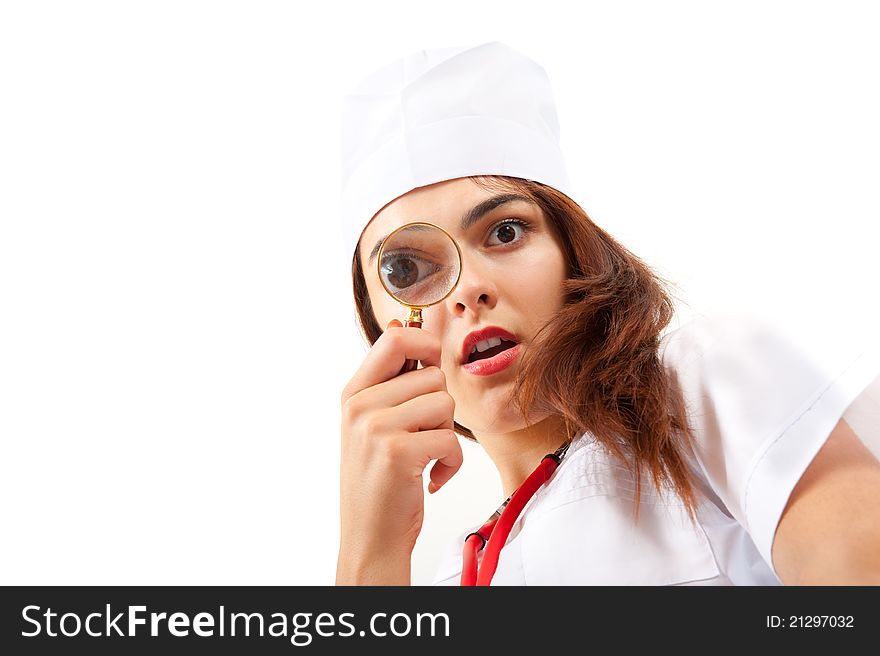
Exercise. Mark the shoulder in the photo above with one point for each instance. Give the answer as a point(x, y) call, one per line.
point(762, 397)
point(747, 379)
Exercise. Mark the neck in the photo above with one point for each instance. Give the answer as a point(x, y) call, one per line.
point(517, 453)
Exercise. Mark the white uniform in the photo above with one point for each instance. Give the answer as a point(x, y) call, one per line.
point(761, 403)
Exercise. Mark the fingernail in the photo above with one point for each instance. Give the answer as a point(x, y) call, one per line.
point(432, 487)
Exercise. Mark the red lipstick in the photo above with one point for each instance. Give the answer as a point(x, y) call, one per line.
point(488, 366)
point(494, 364)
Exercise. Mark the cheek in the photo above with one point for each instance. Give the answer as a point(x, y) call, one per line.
point(537, 284)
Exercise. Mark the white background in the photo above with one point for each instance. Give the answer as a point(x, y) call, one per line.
point(176, 322)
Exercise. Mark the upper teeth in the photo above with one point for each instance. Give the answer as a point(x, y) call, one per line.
point(486, 344)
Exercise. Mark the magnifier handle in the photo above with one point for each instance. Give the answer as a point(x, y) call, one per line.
point(409, 365)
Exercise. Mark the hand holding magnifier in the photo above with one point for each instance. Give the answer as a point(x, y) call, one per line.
point(419, 266)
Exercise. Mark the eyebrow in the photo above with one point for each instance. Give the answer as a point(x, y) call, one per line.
point(471, 217)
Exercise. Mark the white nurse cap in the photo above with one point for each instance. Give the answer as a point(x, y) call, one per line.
point(441, 114)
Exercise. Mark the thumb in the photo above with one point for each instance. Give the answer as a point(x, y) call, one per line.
point(394, 323)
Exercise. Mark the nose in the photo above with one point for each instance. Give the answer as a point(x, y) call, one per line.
point(476, 291)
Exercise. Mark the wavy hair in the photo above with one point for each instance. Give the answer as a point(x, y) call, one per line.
point(596, 366)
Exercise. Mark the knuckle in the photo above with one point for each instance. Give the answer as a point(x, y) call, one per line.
point(352, 408)
point(348, 414)
point(374, 425)
point(345, 394)
point(391, 448)
point(437, 377)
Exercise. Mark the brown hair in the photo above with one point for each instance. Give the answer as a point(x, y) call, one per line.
point(596, 365)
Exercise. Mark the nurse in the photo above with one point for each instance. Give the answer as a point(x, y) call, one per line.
point(724, 452)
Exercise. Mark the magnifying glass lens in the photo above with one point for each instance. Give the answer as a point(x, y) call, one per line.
point(419, 265)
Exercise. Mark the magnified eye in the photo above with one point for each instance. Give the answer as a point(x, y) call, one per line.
point(401, 270)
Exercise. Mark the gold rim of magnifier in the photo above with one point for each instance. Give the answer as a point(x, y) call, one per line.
point(382, 250)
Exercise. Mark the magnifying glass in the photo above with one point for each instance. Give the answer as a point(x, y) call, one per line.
point(419, 265)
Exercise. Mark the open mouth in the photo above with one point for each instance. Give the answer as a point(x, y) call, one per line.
point(491, 351)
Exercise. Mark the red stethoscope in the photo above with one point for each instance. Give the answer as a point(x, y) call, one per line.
point(493, 534)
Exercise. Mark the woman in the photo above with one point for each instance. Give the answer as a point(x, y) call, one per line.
point(743, 472)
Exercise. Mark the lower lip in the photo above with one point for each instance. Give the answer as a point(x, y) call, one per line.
point(494, 364)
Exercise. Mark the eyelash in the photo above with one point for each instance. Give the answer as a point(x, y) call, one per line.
point(525, 225)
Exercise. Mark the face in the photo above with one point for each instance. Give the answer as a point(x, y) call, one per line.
point(513, 266)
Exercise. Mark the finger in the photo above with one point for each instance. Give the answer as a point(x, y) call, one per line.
point(443, 446)
point(424, 413)
point(387, 356)
point(402, 388)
